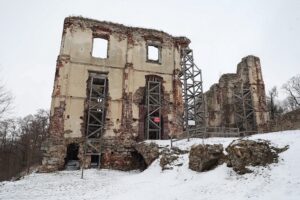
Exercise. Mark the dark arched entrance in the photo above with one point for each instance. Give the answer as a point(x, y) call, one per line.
point(71, 160)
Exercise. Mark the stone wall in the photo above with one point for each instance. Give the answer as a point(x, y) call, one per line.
point(127, 67)
point(221, 104)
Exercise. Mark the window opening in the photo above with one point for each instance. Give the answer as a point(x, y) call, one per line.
point(100, 47)
point(153, 53)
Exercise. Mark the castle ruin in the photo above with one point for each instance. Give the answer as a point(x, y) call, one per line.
point(130, 94)
point(239, 99)
point(117, 85)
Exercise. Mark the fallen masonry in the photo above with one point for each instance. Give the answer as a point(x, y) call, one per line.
point(152, 151)
point(243, 153)
point(169, 156)
point(205, 157)
point(240, 154)
point(149, 151)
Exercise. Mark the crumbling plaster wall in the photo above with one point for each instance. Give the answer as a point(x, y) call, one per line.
point(220, 104)
point(126, 67)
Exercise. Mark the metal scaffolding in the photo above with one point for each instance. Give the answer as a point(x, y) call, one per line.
point(153, 128)
point(97, 89)
point(192, 90)
point(243, 109)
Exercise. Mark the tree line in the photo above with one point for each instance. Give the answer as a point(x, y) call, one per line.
point(278, 107)
point(20, 138)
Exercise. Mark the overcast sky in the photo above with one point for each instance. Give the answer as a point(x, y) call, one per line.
point(222, 32)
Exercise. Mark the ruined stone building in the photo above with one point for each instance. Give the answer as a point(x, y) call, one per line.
point(126, 91)
point(239, 99)
point(116, 85)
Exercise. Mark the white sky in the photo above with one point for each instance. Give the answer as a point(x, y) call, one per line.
point(222, 32)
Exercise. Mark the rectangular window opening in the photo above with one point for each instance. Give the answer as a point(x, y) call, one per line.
point(100, 48)
point(153, 53)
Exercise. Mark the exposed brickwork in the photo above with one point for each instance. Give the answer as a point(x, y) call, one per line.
point(99, 27)
point(127, 69)
point(220, 98)
point(57, 121)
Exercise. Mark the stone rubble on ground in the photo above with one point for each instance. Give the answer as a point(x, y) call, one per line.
point(243, 153)
point(149, 151)
point(168, 156)
point(205, 157)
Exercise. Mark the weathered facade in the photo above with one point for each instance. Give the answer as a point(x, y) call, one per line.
point(239, 99)
point(103, 104)
point(125, 75)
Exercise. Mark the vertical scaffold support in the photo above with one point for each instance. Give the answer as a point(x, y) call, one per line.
point(192, 89)
point(153, 106)
point(97, 90)
point(243, 109)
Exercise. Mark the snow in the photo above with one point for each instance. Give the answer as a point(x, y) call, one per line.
point(277, 181)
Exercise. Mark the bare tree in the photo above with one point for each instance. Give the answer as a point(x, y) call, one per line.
point(6, 100)
point(20, 143)
point(289, 104)
point(271, 101)
point(292, 87)
point(274, 107)
point(8, 148)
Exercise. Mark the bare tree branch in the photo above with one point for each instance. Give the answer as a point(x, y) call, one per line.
point(292, 87)
point(6, 100)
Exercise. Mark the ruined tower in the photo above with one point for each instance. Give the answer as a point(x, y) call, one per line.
point(105, 100)
point(239, 99)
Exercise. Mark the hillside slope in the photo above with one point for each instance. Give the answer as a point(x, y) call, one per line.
point(278, 181)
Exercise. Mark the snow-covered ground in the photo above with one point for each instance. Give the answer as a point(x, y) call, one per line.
point(278, 181)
